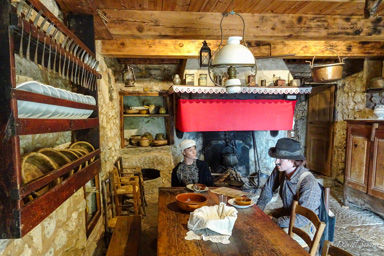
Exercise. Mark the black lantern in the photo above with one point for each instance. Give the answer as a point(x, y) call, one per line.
point(205, 55)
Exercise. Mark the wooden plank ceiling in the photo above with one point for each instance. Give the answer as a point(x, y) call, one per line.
point(176, 28)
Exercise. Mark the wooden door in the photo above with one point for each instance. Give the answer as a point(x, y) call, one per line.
point(376, 179)
point(319, 138)
point(358, 155)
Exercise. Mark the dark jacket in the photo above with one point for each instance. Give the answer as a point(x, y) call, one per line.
point(205, 176)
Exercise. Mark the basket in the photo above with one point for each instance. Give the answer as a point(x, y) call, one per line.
point(326, 73)
point(33, 166)
point(83, 145)
point(56, 157)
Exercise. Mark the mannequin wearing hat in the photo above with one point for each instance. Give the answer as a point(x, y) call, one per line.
point(284, 178)
point(191, 170)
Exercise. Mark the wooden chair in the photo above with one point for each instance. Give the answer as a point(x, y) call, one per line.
point(313, 244)
point(109, 208)
point(331, 250)
point(133, 171)
point(126, 188)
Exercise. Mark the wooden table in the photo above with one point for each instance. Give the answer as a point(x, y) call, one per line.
point(254, 232)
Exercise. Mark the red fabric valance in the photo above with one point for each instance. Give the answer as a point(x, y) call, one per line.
point(199, 115)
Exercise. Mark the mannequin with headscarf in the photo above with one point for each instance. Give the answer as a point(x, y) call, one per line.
point(191, 170)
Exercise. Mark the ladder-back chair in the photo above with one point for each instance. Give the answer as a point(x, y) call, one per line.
point(313, 244)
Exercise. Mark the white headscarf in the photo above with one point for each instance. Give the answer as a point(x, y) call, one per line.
point(187, 144)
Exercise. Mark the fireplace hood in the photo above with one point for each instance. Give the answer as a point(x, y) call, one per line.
point(204, 109)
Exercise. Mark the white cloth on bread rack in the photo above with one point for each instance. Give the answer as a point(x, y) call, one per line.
point(213, 223)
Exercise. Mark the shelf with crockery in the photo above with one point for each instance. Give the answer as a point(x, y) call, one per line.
point(45, 109)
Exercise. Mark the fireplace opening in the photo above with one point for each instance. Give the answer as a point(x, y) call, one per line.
point(150, 174)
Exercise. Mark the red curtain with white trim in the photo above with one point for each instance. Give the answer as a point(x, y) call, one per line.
point(198, 115)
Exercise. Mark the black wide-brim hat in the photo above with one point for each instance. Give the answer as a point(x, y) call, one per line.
point(287, 148)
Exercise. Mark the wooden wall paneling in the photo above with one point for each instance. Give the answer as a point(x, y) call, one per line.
point(182, 5)
point(196, 5)
point(83, 7)
point(113, 4)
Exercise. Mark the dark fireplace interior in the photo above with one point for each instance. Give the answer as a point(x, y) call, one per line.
point(228, 149)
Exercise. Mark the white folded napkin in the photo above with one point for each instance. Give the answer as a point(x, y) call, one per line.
point(214, 223)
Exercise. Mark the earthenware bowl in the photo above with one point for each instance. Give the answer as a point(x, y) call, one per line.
point(191, 201)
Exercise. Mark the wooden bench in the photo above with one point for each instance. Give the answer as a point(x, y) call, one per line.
point(126, 236)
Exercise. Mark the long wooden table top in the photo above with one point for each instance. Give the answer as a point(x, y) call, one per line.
point(254, 232)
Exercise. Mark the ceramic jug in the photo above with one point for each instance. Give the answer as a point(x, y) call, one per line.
point(162, 110)
point(176, 79)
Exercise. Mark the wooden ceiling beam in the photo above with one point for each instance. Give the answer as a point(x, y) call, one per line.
point(266, 27)
point(371, 8)
point(86, 7)
point(136, 48)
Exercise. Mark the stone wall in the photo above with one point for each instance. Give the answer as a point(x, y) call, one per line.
point(109, 115)
point(350, 104)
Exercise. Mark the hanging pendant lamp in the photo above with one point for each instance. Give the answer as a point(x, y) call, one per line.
point(233, 55)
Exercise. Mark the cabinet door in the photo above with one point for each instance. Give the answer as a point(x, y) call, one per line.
point(376, 184)
point(357, 162)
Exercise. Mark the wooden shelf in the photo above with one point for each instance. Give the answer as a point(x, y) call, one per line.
point(38, 126)
point(168, 118)
point(37, 210)
point(34, 185)
point(35, 97)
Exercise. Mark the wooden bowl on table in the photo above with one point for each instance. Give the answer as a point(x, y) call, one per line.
point(243, 200)
point(191, 201)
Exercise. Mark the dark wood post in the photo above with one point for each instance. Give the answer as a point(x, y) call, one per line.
point(9, 158)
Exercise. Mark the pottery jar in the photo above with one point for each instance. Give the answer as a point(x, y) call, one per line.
point(135, 139)
point(144, 141)
point(162, 110)
point(176, 80)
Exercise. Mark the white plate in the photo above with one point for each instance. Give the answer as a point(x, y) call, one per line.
point(190, 188)
point(233, 203)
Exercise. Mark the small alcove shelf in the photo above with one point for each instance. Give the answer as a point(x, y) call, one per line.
point(136, 99)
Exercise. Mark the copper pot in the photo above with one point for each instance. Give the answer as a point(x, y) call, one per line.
point(327, 72)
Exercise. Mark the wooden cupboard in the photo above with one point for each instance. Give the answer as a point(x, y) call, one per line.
point(364, 172)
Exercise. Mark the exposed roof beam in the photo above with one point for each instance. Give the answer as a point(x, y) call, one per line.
point(371, 8)
point(86, 7)
point(266, 27)
point(136, 48)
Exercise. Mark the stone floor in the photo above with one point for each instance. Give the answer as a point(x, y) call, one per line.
point(358, 231)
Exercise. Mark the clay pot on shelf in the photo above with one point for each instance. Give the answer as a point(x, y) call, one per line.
point(162, 110)
point(144, 141)
point(160, 136)
point(135, 139)
point(152, 109)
